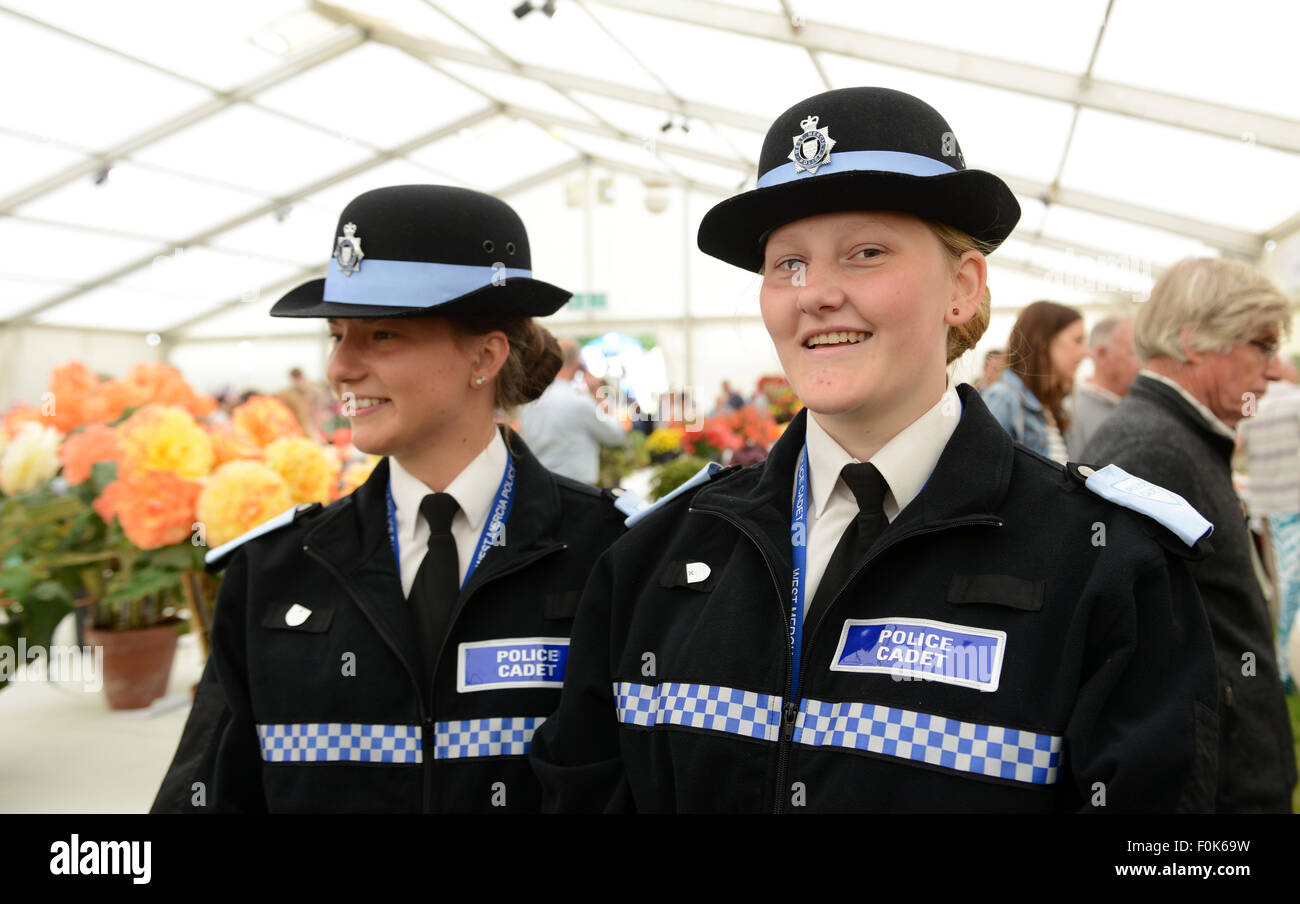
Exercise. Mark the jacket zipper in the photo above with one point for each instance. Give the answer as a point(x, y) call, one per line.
point(790, 708)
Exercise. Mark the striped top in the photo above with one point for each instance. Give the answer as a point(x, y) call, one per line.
point(1272, 440)
point(1056, 450)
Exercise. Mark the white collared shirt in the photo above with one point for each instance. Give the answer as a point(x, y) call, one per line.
point(906, 462)
point(474, 490)
point(1210, 417)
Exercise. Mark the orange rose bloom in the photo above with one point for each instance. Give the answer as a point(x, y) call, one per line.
point(112, 398)
point(105, 504)
point(229, 445)
point(72, 387)
point(263, 420)
point(239, 496)
point(156, 508)
point(81, 451)
point(163, 384)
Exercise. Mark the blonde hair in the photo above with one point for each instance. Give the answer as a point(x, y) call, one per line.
point(1224, 302)
point(963, 338)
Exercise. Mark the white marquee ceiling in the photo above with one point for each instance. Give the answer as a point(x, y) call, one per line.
point(172, 168)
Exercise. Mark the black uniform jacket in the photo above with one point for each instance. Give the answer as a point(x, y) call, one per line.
point(677, 694)
point(325, 713)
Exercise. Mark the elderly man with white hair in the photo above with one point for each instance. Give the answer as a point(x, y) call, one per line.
point(1208, 341)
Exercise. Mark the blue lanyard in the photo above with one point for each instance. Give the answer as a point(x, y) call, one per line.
point(799, 547)
point(496, 520)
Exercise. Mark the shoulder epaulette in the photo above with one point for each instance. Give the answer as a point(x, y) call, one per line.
point(1116, 485)
point(216, 558)
point(637, 508)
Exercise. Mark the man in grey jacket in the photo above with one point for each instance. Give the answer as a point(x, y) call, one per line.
point(1208, 339)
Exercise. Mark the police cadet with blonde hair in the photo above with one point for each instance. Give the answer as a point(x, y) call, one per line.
point(395, 650)
point(901, 609)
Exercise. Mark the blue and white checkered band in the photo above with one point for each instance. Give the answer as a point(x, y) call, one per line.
point(510, 736)
point(850, 161)
point(1023, 756)
point(991, 750)
point(744, 713)
point(316, 742)
point(410, 284)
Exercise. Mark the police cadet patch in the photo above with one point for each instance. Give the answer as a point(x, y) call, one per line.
point(918, 649)
point(486, 665)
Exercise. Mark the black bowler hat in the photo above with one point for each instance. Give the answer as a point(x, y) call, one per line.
point(426, 250)
point(858, 149)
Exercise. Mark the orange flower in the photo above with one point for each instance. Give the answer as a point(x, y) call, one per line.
point(239, 496)
point(22, 414)
point(105, 504)
point(156, 508)
point(229, 445)
point(112, 398)
point(263, 420)
point(82, 450)
point(71, 388)
point(163, 384)
point(164, 438)
point(310, 470)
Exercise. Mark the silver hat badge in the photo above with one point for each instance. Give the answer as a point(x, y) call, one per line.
point(812, 148)
point(347, 250)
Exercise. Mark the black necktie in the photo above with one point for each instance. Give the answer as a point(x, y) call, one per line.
point(437, 583)
point(868, 489)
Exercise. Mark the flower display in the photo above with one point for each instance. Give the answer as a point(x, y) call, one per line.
point(72, 387)
point(164, 438)
point(311, 472)
point(664, 441)
point(163, 384)
point(230, 445)
point(155, 508)
point(263, 419)
point(30, 459)
point(711, 440)
point(356, 474)
point(237, 497)
point(84, 449)
point(21, 414)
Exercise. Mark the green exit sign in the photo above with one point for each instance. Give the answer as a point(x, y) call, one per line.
point(587, 300)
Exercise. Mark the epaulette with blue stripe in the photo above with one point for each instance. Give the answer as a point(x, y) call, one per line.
point(216, 559)
point(1116, 485)
point(637, 508)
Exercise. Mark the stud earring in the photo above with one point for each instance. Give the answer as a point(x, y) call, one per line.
point(956, 311)
point(480, 381)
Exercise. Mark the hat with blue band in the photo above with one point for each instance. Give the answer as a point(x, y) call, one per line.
point(426, 250)
point(858, 149)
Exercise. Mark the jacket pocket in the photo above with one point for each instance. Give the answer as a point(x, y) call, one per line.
point(997, 590)
point(291, 616)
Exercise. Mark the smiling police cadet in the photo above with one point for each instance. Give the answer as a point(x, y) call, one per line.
point(901, 609)
point(395, 650)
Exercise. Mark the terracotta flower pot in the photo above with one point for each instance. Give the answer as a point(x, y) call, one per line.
point(137, 663)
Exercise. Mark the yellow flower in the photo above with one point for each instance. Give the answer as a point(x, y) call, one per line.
point(664, 440)
point(239, 496)
point(356, 474)
point(307, 468)
point(30, 459)
point(165, 438)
